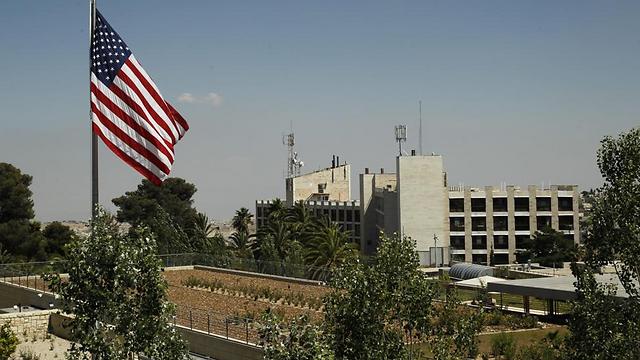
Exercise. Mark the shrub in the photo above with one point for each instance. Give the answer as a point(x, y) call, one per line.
point(503, 346)
point(8, 342)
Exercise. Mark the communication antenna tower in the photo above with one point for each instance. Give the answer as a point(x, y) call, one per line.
point(293, 163)
point(401, 136)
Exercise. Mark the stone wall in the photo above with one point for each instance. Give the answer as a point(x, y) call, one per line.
point(28, 324)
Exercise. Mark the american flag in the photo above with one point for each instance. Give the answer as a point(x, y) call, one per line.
point(129, 113)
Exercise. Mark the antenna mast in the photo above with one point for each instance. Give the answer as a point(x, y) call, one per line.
point(293, 163)
point(401, 136)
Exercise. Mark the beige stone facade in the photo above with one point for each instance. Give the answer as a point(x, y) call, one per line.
point(330, 184)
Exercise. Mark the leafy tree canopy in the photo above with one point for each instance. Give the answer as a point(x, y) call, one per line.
point(549, 248)
point(15, 196)
point(603, 327)
point(117, 294)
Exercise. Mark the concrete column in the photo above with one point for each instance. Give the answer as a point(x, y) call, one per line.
point(576, 215)
point(527, 306)
point(489, 196)
point(467, 225)
point(511, 221)
point(533, 210)
point(555, 222)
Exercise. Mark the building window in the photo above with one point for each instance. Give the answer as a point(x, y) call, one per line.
point(543, 204)
point(357, 230)
point(479, 259)
point(521, 204)
point(478, 205)
point(565, 204)
point(569, 237)
point(500, 242)
point(500, 223)
point(522, 241)
point(499, 204)
point(565, 222)
point(500, 259)
point(456, 205)
point(543, 222)
point(340, 215)
point(456, 224)
point(259, 212)
point(457, 258)
point(334, 215)
point(357, 215)
point(522, 223)
point(349, 216)
point(479, 242)
point(456, 242)
point(479, 224)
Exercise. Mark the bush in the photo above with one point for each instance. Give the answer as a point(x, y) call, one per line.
point(8, 342)
point(503, 346)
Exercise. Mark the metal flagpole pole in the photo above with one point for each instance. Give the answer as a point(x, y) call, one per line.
point(94, 137)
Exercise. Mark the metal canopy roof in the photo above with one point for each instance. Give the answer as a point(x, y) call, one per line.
point(464, 271)
point(555, 288)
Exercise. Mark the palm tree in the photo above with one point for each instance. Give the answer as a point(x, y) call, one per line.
point(328, 248)
point(241, 243)
point(242, 220)
point(302, 221)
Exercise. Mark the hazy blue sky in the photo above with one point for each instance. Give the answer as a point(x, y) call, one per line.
point(513, 91)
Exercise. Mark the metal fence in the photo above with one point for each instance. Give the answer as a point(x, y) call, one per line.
point(230, 326)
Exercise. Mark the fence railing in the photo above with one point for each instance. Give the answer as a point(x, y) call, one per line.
point(229, 326)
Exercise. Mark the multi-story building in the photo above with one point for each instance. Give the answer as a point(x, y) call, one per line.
point(325, 192)
point(449, 224)
point(500, 220)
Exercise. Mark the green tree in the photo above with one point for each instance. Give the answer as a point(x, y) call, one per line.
point(328, 247)
point(19, 235)
point(167, 210)
point(550, 248)
point(15, 195)
point(8, 342)
point(241, 243)
point(117, 294)
point(602, 326)
point(297, 340)
point(242, 220)
point(57, 235)
point(373, 310)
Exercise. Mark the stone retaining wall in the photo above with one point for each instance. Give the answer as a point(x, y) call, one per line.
point(28, 324)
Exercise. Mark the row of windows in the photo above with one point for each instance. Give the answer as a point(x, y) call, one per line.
point(501, 223)
point(498, 259)
point(479, 242)
point(520, 204)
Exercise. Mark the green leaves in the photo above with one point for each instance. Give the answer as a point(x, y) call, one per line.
point(603, 327)
point(117, 295)
point(8, 342)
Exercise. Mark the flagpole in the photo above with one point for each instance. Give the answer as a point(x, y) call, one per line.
point(94, 137)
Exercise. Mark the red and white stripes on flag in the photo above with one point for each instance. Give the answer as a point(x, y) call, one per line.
point(129, 113)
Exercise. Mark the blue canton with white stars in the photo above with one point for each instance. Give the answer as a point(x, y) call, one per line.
point(108, 51)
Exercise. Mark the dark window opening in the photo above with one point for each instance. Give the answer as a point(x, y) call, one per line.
point(500, 223)
point(522, 223)
point(456, 242)
point(565, 204)
point(521, 204)
point(456, 205)
point(499, 204)
point(479, 242)
point(357, 215)
point(478, 205)
point(500, 242)
point(479, 224)
point(500, 259)
point(456, 224)
point(543, 204)
point(479, 259)
point(543, 222)
point(565, 222)
point(349, 215)
point(522, 241)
